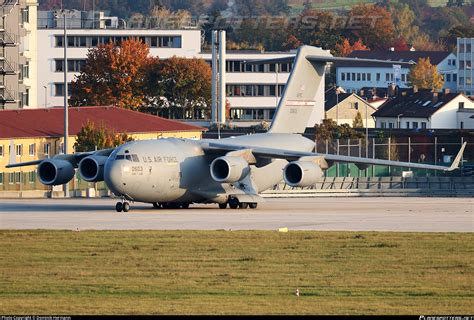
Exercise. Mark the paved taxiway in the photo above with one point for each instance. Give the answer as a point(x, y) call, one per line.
point(356, 214)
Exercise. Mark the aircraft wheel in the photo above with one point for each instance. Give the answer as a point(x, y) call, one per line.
point(126, 207)
point(119, 207)
point(243, 205)
point(156, 205)
point(222, 205)
point(253, 205)
point(185, 205)
point(233, 203)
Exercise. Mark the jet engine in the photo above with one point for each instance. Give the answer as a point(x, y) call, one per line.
point(229, 169)
point(302, 173)
point(91, 168)
point(55, 172)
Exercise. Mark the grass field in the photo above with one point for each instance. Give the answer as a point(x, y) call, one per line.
point(234, 272)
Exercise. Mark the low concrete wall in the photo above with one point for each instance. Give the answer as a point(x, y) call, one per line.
point(324, 187)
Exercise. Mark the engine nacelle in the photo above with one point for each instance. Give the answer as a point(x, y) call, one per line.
point(55, 172)
point(91, 168)
point(229, 169)
point(302, 173)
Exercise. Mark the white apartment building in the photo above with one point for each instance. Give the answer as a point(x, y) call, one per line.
point(353, 76)
point(252, 90)
point(465, 54)
point(18, 54)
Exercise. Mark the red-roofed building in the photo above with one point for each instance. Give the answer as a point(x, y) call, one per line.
point(38, 133)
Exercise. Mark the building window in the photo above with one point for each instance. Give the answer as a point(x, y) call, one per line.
point(408, 124)
point(353, 76)
point(32, 176)
point(377, 77)
point(1, 151)
point(11, 178)
point(455, 77)
point(415, 125)
point(461, 105)
point(59, 41)
point(461, 125)
point(343, 76)
point(25, 15)
point(364, 76)
point(423, 125)
point(369, 76)
point(46, 148)
point(25, 98)
point(59, 89)
point(404, 77)
point(387, 77)
point(448, 78)
point(32, 149)
point(1, 177)
point(383, 125)
point(18, 177)
point(19, 150)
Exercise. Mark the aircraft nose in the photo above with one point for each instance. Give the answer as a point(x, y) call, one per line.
point(113, 176)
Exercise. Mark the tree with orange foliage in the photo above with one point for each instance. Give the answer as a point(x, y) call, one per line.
point(345, 48)
point(179, 87)
point(113, 75)
point(425, 75)
point(373, 24)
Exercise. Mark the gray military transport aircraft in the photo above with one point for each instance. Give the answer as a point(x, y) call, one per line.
point(174, 173)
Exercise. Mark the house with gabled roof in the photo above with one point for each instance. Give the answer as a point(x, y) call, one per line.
point(424, 109)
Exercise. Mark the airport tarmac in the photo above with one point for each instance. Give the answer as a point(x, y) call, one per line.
point(352, 214)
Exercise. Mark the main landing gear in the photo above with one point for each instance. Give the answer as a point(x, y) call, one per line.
point(234, 203)
point(122, 206)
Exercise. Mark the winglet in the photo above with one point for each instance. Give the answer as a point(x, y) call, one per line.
point(457, 160)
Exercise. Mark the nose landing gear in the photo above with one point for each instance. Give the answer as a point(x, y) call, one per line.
point(122, 206)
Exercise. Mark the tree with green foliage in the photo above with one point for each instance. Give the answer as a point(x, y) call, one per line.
point(358, 122)
point(329, 130)
point(92, 137)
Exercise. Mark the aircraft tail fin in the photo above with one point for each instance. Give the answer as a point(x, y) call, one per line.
point(301, 98)
point(302, 102)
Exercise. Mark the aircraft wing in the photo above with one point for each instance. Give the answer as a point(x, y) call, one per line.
point(295, 155)
point(72, 158)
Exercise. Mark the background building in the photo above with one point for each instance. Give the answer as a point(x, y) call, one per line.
point(38, 134)
point(465, 54)
point(426, 110)
point(251, 90)
point(353, 76)
point(18, 54)
point(343, 108)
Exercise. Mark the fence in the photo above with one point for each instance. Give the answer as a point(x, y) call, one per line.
point(428, 150)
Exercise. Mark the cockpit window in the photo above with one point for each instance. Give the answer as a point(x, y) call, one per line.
point(129, 157)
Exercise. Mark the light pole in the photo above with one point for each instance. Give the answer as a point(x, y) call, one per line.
point(398, 119)
point(45, 96)
point(64, 13)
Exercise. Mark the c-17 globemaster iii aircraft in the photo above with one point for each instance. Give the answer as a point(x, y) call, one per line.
point(174, 173)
